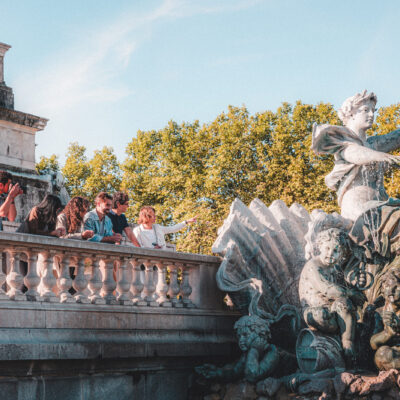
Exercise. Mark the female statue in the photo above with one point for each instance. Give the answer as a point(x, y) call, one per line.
point(358, 174)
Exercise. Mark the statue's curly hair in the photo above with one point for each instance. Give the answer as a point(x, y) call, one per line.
point(353, 102)
point(255, 324)
point(73, 212)
point(391, 278)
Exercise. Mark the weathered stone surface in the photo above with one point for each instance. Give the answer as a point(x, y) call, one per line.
point(240, 391)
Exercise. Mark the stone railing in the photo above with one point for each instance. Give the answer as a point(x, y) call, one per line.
point(38, 268)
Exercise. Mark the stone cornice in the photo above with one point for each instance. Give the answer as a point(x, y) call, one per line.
point(21, 118)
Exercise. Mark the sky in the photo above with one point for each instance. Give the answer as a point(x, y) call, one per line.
point(101, 70)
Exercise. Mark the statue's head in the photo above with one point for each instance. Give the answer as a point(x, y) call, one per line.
point(357, 112)
point(331, 246)
point(250, 328)
point(391, 286)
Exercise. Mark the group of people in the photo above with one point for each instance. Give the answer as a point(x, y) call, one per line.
point(105, 223)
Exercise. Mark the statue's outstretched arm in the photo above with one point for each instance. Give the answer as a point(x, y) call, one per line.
point(255, 369)
point(386, 143)
point(361, 155)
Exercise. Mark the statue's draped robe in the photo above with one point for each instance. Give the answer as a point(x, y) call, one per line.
point(377, 219)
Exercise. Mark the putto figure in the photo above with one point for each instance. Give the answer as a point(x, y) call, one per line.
point(358, 174)
point(260, 358)
point(329, 303)
point(387, 342)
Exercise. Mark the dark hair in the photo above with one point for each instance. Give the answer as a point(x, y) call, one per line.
point(47, 210)
point(103, 196)
point(73, 212)
point(5, 177)
point(121, 198)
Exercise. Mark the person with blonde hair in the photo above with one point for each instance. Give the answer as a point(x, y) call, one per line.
point(151, 235)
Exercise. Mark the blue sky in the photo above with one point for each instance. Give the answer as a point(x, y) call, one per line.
point(101, 70)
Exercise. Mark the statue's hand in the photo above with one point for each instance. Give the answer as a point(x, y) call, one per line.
point(389, 159)
point(391, 320)
point(259, 344)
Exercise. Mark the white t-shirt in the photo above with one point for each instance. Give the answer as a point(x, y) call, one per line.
point(148, 237)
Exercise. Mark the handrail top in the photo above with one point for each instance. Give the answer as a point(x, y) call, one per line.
point(14, 239)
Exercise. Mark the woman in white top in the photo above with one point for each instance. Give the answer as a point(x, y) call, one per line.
point(151, 235)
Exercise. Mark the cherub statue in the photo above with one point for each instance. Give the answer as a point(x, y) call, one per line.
point(260, 358)
point(358, 174)
point(387, 342)
point(329, 303)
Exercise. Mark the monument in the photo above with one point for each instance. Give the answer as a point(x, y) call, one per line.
point(17, 151)
point(340, 272)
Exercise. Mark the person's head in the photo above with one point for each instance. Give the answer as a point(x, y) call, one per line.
point(250, 327)
point(103, 203)
point(357, 112)
point(120, 202)
point(147, 215)
point(391, 286)
point(331, 246)
point(5, 181)
point(75, 210)
point(48, 209)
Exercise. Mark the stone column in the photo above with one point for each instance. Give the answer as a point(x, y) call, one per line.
point(124, 284)
point(109, 284)
point(149, 285)
point(32, 278)
point(96, 282)
point(186, 289)
point(48, 281)
point(137, 284)
point(14, 277)
point(80, 282)
point(162, 286)
point(174, 288)
point(64, 281)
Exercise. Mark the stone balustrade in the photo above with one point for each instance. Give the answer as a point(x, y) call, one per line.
point(46, 269)
point(80, 319)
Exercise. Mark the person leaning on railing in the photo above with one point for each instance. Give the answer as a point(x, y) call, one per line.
point(97, 221)
point(71, 219)
point(151, 235)
point(42, 218)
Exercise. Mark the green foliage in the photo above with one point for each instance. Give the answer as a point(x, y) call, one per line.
point(85, 177)
point(47, 165)
point(188, 169)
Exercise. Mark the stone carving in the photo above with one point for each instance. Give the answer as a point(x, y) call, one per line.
point(358, 174)
point(260, 358)
point(387, 341)
point(329, 303)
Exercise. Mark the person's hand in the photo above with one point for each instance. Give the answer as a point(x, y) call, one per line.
point(191, 220)
point(87, 234)
point(58, 232)
point(14, 191)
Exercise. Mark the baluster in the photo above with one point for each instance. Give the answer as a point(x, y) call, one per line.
point(109, 283)
point(14, 277)
point(124, 284)
point(149, 285)
point(32, 278)
point(3, 276)
point(80, 282)
point(137, 284)
point(174, 286)
point(64, 281)
point(162, 287)
point(48, 281)
point(186, 289)
point(96, 282)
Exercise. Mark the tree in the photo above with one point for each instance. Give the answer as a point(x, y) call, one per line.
point(87, 178)
point(47, 164)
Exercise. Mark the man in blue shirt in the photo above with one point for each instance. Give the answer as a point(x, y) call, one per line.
point(97, 221)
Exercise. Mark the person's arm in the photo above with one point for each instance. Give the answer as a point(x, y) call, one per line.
point(90, 225)
point(386, 143)
point(176, 228)
point(62, 224)
point(7, 209)
point(34, 225)
point(109, 235)
point(131, 236)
